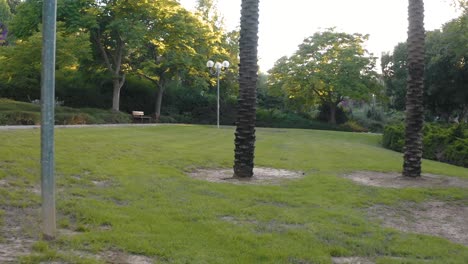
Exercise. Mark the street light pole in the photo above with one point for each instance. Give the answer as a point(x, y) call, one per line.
point(215, 69)
point(47, 118)
point(217, 92)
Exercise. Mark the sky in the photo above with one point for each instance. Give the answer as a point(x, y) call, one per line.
point(285, 24)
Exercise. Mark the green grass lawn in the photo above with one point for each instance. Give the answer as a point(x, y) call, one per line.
point(145, 203)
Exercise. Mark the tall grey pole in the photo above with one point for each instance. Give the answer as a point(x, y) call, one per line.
point(218, 71)
point(47, 118)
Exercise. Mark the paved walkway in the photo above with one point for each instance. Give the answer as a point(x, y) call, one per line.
point(79, 126)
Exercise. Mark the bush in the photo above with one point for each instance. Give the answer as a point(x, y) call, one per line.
point(373, 119)
point(73, 119)
point(457, 152)
point(324, 113)
point(354, 126)
point(279, 119)
point(167, 119)
point(394, 137)
point(443, 143)
point(12, 118)
point(20, 113)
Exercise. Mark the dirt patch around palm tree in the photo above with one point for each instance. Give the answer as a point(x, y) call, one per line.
point(261, 176)
point(437, 218)
point(395, 180)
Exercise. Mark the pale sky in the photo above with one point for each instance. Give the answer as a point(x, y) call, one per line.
point(284, 24)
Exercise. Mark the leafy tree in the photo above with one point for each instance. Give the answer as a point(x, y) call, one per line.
point(178, 46)
point(327, 68)
point(118, 32)
point(74, 14)
point(265, 98)
point(226, 46)
point(5, 12)
point(461, 5)
point(414, 93)
point(207, 9)
point(280, 86)
point(13, 4)
point(23, 61)
point(447, 70)
point(248, 70)
point(27, 19)
point(230, 51)
point(395, 73)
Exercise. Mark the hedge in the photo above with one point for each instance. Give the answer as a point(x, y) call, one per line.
point(445, 143)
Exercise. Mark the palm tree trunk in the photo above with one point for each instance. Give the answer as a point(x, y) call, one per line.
point(414, 92)
point(248, 74)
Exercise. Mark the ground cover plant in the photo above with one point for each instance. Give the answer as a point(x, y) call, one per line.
point(442, 142)
point(21, 113)
point(124, 196)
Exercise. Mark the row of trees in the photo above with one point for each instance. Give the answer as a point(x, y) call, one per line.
point(159, 41)
point(446, 71)
point(156, 40)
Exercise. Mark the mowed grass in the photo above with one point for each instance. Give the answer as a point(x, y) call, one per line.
point(126, 189)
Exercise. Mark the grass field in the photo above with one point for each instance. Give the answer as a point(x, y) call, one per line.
point(126, 190)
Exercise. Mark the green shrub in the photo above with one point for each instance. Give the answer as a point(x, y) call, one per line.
point(279, 119)
point(434, 141)
point(21, 113)
point(457, 152)
point(73, 119)
point(12, 118)
point(443, 143)
point(354, 126)
point(324, 113)
point(167, 119)
point(110, 117)
point(394, 137)
point(370, 124)
point(376, 119)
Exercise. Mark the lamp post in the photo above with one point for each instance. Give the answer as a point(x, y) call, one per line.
point(215, 69)
point(49, 25)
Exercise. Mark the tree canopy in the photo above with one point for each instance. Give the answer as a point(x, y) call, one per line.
point(446, 71)
point(156, 39)
point(327, 68)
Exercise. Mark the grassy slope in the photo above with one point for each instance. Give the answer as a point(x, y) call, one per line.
point(154, 209)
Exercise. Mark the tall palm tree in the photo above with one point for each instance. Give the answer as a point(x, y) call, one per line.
point(414, 92)
point(248, 68)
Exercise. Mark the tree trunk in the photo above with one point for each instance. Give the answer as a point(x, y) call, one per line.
point(248, 74)
point(157, 110)
point(113, 68)
point(116, 94)
point(414, 92)
point(332, 117)
point(464, 114)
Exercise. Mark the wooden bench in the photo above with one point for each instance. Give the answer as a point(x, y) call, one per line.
point(139, 116)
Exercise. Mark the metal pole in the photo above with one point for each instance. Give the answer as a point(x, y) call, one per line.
point(47, 118)
point(217, 116)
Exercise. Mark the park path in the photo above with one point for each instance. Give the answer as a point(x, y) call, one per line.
point(79, 126)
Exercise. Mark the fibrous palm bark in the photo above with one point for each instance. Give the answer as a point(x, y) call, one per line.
point(414, 93)
point(248, 74)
